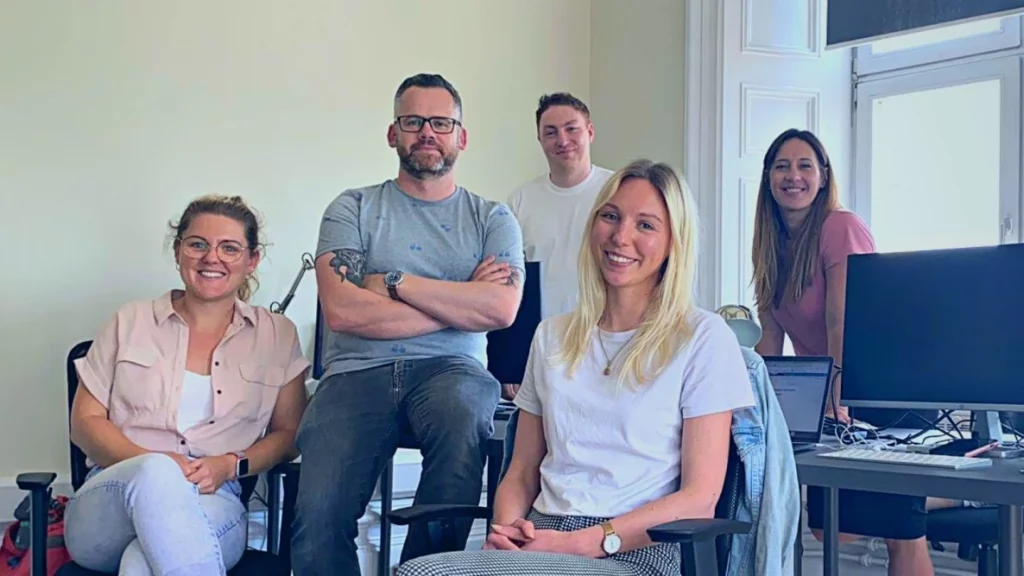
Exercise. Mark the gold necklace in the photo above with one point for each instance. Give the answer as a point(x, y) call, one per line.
point(609, 360)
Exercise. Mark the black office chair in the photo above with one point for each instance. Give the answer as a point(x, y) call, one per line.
point(974, 530)
point(253, 562)
point(705, 544)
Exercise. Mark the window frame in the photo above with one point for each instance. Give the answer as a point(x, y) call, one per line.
point(1008, 37)
point(1007, 69)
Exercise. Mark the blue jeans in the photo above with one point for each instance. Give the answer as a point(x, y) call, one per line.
point(352, 427)
point(141, 517)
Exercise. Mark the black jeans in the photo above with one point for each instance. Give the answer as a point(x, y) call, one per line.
point(351, 428)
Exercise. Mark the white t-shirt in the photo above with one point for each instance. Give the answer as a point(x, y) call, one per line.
point(611, 451)
point(553, 221)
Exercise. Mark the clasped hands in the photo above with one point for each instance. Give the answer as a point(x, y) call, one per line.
point(207, 473)
point(522, 535)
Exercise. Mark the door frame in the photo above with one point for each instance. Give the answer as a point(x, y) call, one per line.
point(702, 148)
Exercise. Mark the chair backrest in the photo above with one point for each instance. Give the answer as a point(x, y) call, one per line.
point(729, 502)
point(79, 466)
point(319, 337)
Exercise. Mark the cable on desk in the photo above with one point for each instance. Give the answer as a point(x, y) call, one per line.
point(851, 434)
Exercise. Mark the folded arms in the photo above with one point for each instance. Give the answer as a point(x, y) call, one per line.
point(358, 303)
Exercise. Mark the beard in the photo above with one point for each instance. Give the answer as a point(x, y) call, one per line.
point(424, 168)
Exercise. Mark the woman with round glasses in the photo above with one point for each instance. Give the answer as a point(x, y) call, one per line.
point(178, 398)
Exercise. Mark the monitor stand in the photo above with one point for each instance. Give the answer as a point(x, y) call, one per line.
point(986, 429)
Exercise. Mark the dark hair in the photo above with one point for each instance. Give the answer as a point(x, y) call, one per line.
point(561, 99)
point(424, 80)
point(233, 207)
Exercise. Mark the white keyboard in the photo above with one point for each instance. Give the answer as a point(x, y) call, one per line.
point(894, 457)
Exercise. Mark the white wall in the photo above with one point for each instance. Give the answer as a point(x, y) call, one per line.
point(113, 115)
point(637, 71)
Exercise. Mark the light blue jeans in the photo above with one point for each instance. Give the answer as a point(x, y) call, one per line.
point(141, 517)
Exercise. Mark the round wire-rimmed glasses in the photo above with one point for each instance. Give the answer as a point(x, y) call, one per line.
point(197, 247)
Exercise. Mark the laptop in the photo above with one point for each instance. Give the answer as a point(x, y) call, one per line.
point(801, 385)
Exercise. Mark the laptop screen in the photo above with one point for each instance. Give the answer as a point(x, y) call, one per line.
point(801, 387)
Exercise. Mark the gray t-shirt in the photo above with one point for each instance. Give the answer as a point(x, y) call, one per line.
point(443, 240)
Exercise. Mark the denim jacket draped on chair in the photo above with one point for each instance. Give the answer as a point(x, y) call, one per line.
point(771, 499)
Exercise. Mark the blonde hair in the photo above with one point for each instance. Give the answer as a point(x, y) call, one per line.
point(664, 328)
point(233, 207)
point(779, 274)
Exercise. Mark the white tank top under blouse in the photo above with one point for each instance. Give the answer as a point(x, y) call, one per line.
point(196, 404)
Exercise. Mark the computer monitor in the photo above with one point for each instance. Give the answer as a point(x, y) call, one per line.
point(936, 329)
point(508, 349)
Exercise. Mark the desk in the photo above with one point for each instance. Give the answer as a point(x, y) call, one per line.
point(1001, 484)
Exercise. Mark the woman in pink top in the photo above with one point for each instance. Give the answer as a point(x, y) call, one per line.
point(178, 397)
point(802, 238)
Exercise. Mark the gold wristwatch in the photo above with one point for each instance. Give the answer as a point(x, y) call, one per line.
point(611, 542)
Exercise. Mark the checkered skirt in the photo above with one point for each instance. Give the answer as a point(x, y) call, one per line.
point(657, 560)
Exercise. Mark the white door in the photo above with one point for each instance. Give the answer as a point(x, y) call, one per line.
point(939, 156)
point(776, 75)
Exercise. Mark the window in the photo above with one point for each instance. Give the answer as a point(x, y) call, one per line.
point(938, 44)
point(938, 156)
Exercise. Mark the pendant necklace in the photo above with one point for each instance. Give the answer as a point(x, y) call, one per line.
point(609, 359)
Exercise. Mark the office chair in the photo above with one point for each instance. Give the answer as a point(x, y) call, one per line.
point(253, 562)
point(974, 530)
point(705, 543)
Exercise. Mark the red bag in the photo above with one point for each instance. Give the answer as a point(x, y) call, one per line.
point(15, 559)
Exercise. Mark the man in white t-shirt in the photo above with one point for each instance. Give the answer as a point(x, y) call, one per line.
point(553, 208)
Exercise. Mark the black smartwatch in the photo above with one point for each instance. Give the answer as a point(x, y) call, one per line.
point(391, 281)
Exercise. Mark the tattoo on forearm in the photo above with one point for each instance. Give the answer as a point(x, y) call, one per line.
point(514, 277)
point(354, 263)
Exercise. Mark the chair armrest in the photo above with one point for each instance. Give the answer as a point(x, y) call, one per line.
point(35, 481)
point(435, 512)
point(696, 530)
point(38, 486)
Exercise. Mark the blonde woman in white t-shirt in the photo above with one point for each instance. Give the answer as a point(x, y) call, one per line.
point(600, 452)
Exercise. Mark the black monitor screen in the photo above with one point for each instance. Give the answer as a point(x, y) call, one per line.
point(935, 329)
point(508, 349)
